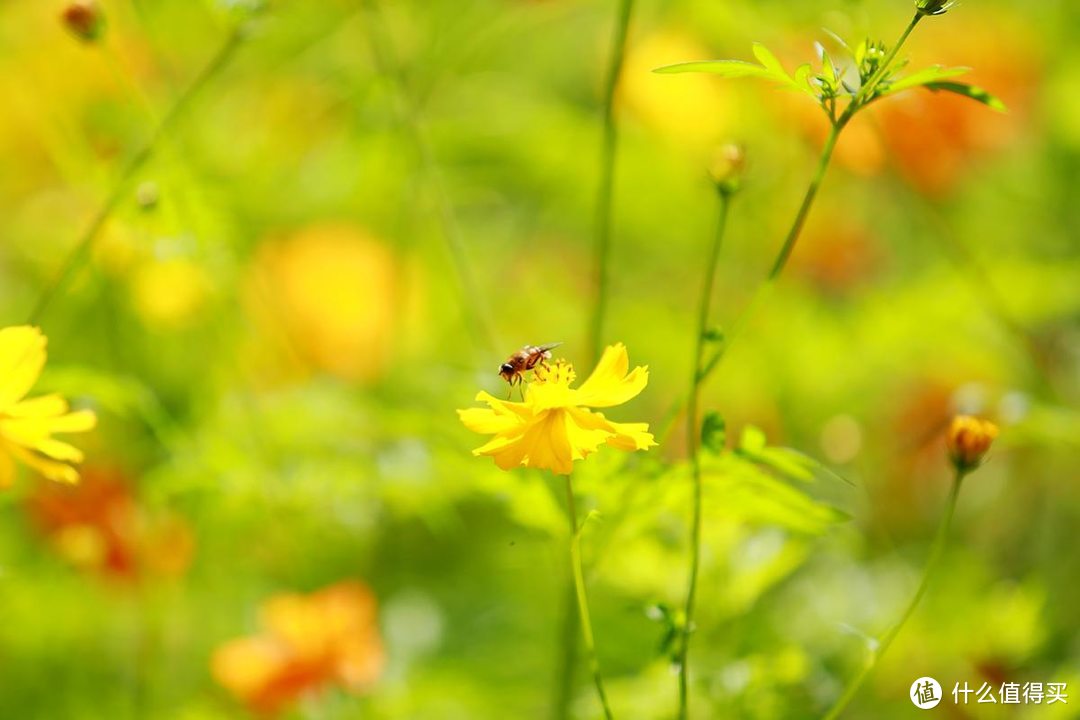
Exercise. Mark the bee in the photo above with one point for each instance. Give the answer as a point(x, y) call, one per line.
point(525, 359)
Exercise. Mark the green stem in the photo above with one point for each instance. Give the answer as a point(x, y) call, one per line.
point(868, 87)
point(566, 660)
point(601, 260)
point(85, 243)
point(857, 103)
point(693, 441)
point(808, 201)
point(605, 194)
point(936, 551)
point(387, 63)
point(583, 598)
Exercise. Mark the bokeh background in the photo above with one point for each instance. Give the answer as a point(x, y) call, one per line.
point(371, 204)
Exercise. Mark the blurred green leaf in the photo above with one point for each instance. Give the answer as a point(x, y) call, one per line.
point(713, 432)
point(925, 76)
point(769, 69)
point(969, 91)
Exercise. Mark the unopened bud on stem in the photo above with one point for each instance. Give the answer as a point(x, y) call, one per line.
point(968, 440)
point(84, 19)
point(727, 166)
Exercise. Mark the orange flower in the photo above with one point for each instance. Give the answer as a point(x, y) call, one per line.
point(99, 526)
point(308, 642)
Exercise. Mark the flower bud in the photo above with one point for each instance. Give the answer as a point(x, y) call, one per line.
point(726, 167)
point(84, 19)
point(933, 7)
point(968, 440)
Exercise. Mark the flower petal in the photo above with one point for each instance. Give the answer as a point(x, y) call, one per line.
point(44, 406)
point(59, 450)
point(7, 470)
point(624, 436)
point(549, 444)
point(51, 469)
point(78, 421)
point(609, 384)
point(22, 356)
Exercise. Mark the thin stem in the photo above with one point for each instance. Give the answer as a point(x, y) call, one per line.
point(777, 268)
point(566, 659)
point(857, 103)
point(936, 551)
point(808, 201)
point(693, 442)
point(567, 656)
point(387, 63)
point(85, 243)
point(583, 599)
point(868, 87)
point(606, 192)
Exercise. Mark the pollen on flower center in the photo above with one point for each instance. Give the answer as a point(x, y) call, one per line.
point(559, 373)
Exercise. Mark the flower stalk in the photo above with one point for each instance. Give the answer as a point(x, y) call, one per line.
point(583, 599)
point(936, 551)
point(838, 123)
point(967, 442)
point(84, 244)
point(693, 444)
point(606, 191)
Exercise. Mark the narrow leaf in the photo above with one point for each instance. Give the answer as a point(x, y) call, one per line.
point(969, 91)
point(770, 63)
point(923, 77)
point(723, 68)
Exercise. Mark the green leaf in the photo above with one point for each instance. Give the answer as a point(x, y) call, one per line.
point(742, 491)
point(723, 68)
point(713, 432)
point(769, 62)
point(969, 91)
point(828, 70)
point(925, 76)
point(752, 440)
point(769, 69)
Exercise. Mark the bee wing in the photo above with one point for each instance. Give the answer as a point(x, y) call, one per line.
point(549, 347)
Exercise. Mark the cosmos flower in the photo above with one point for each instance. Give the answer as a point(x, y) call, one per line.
point(553, 427)
point(101, 526)
point(27, 426)
point(968, 440)
point(308, 642)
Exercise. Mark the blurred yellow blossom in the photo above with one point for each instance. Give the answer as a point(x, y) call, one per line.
point(169, 292)
point(27, 426)
point(332, 290)
point(553, 426)
point(692, 112)
point(307, 643)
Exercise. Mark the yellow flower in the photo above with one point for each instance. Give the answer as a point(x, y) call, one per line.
point(26, 426)
point(553, 426)
point(968, 440)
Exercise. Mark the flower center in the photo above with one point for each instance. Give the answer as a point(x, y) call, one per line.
point(559, 373)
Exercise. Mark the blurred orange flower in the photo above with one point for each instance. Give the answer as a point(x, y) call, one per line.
point(308, 642)
point(27, 426)
point(99, 526)
point(331, 290)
